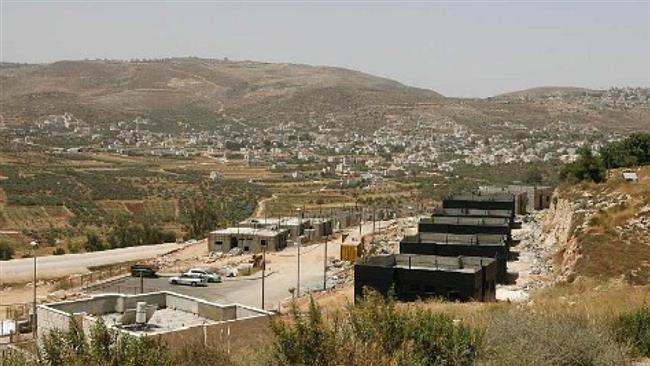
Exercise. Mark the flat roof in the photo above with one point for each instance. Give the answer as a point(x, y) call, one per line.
point(464, 220)
point(457, 239)
point(248, 231)
point(428, 262)
point(471, 212)
point(494, 197)
point(278, 221)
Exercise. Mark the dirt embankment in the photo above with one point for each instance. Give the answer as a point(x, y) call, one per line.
point(557, 232)
point(601, 231)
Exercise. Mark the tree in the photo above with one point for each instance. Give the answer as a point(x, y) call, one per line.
point(586, 167)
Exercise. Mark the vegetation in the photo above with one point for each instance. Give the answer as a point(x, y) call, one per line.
point(631, 151)
point(517, 338)
point(634, 328)
point(374, 333)
point(6, 251)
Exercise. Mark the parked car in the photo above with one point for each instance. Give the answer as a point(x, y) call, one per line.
point(185, 279)
point(204, 273)
point(143, 270)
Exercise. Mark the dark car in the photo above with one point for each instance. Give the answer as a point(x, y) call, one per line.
point(143, 270)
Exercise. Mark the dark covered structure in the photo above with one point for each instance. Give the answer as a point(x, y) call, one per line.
point(465, 225)
point(451, 245)
point(427, 276)
point(475, 212)
point(482, 201)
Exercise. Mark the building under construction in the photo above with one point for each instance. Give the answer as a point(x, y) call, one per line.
point(412, 277)
point(453, 245)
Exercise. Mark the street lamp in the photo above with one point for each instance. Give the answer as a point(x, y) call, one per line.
point(34, 244)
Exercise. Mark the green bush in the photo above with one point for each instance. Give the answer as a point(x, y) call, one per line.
point(587, 168)
point(58, 251)
point(634, 328)
point(6, 251)
point(374, 332)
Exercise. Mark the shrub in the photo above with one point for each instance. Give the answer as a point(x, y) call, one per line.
point(521, 339)
point(58, 251)
point(634, 328)
point(374, 333)
point(587, 167)
point(6, 251)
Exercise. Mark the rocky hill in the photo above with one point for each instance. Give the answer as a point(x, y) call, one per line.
point(602, 230)
point(207, 92)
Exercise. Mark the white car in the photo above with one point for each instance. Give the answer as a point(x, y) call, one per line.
point(204, 273)
point(185, 279)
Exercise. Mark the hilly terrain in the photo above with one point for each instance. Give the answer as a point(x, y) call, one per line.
point(206, 93)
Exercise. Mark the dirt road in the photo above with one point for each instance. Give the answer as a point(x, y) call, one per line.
point(21, 270)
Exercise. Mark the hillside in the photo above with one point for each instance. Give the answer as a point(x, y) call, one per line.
point(191, 88)
point(602, 231)
point(207, 93)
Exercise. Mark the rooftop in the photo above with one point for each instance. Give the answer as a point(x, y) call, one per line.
point(248, 231)
point(428, 262)
point(472, 212)
point(456, 239)
point(274, 221)
point(492, 197)
point(464, 220)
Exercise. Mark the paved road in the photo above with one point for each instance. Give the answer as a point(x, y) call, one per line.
point(283, 268)
point(54, 266)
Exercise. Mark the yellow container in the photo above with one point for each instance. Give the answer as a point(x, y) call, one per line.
point(350, 252)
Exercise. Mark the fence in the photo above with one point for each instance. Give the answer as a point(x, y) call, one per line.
point(19, 311)
point(86, 280)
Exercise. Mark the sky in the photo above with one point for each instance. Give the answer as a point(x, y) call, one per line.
point(461, 48)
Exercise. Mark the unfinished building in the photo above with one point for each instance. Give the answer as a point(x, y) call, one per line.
point(173, 318)
point(248, 239)
point(452, 245)
point(310, 228)
point(427, 276)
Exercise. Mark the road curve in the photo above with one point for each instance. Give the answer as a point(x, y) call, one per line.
point(18, 270)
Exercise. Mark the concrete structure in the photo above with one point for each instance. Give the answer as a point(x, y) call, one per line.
point(529, 198)
point(248, 239)
point(482, 201)
point(425, 276)
point(174, 318)
point(465, 225)
point(450, 245)
point(294, 226)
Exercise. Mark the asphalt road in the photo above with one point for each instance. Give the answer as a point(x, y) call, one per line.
point(54, 266)
point(282, 275)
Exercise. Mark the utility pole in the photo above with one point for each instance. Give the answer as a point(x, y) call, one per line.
point(263, 271)
point(34, 244)
point(325, 264)
point(360, 221)
point(373, 219)
point(298, 242)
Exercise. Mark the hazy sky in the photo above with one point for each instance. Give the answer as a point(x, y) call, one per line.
point(456, 48)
